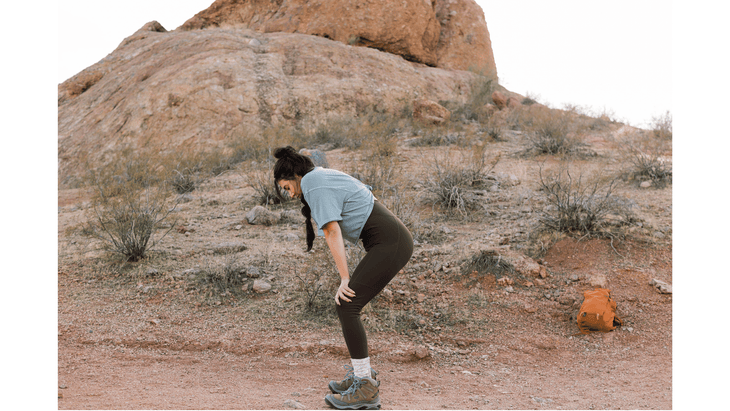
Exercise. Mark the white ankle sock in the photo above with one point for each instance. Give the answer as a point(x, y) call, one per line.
point(361, 367)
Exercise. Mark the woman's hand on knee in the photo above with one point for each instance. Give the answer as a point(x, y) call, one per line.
point(344, 291)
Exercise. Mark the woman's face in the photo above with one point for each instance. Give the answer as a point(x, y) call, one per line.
point(293, 187)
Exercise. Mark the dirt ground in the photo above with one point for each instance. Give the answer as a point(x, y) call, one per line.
point(139, 336)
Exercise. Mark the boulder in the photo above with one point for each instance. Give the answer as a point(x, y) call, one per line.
point(407, 28)
point(499, 100)
point(197, 90)
point(513, 103)
point(430, 112)
point(449, 34)
point(464, 42)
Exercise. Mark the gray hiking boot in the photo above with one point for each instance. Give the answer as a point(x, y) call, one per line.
point(344, 385)
point(362, 394)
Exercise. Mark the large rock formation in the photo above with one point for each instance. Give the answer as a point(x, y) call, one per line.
point(443, 33)
point(162, 90)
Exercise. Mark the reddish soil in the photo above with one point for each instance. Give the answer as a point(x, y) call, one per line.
point(129, 339)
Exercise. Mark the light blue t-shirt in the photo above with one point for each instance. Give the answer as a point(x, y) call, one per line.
point(335, 196)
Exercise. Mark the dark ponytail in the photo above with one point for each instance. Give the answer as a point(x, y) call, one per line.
point(289, 165)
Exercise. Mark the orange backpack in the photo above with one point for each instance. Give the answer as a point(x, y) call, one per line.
point(598, 312)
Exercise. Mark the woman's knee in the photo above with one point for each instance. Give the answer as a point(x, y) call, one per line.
point(348, 309)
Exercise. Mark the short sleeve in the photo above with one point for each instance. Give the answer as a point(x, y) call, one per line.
point(326, 206)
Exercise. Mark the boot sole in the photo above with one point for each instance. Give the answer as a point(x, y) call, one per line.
point(360, 406)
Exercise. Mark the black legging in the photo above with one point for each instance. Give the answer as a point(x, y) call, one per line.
point(389, 246)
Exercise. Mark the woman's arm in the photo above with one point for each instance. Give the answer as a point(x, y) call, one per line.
point(333, 236)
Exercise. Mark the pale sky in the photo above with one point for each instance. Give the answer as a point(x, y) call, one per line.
point(605, 56)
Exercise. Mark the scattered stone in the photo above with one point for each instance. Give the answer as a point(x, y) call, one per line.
point(260, 215)
point(294, 404)
point(421, 352)
point(190, 273)
point(253, 272)
point(598, 280)
point(530, 308)
point(566, 300)
point(420, 298)
point(661, 286)
point(261, 286)
point(229, 248)
point(151, 272)
point(645, 184)
point(505, 281)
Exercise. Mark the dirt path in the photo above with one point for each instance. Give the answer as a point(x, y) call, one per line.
point(520, 364)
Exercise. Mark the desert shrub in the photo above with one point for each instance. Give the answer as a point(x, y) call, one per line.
point(183, 173)
point(530, 99)
point(487, 261)
point(482, 85)
point(662, 126)
point(380, 166)
point(225, 275)
point(252, 145)
point(454, 178)
point(549, 131)
point(436, 136)
point(405, 206)
point(651, 166)
point(581, 206)
point(127, 220)
point(647, 157)
point(319, 279)
point(184, 181)
point(331, 133)
point(261, 180)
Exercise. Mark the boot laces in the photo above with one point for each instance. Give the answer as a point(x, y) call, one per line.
point(350, 372)
point(356, 384)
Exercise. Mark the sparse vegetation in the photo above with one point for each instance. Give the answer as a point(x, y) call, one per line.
point(127, 221)
point(454, 178)
point(549, 131)
point(483, 84)
point(226, 275)
point(576, 205)
point(647, 155)
point(662, 126)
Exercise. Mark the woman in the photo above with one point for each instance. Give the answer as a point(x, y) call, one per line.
point(345, 208)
